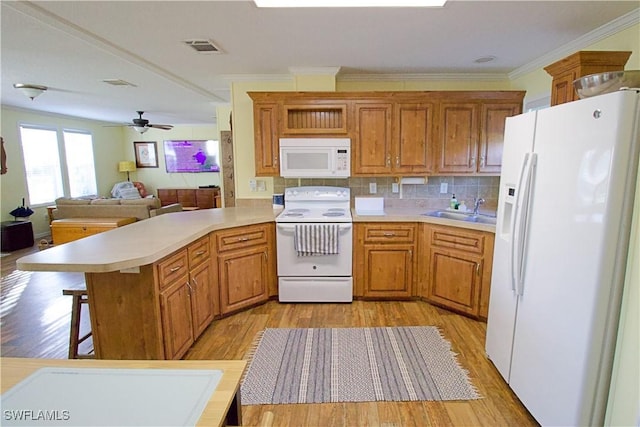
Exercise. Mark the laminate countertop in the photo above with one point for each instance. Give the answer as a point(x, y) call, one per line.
point(141, 243)
point(415, 214)
point(145, 242)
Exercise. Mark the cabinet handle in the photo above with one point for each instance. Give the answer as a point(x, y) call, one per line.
point(174, 269)
point(398, 161)
point(242, 239)
point(482, 161)
point(200, 253)
point(388, 159)
point(477, 268)
point(190, 288)
point(266, 256)
point(389, 234)
point(275, 161)
point(472, 162)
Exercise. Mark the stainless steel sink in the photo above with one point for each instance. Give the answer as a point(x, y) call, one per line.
point(460, 216)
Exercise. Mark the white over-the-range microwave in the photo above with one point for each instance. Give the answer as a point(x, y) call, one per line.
point(315, 157)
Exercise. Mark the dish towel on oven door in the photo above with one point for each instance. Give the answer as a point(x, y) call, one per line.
point(316, 239)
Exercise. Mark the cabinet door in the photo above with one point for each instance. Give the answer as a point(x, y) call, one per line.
point(243, 278)
point(187, 197)
point(372, 147)
point(167, 196)
point(206, 198)
point(455, 280)
point(267, 146)
point(388, 271)
point(177, 327)
point(458, 138)
point(413, 138)
point(492, 135)
point(562, 88)
point(202, 288)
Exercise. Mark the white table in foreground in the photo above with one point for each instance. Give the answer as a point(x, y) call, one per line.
point(223, 407)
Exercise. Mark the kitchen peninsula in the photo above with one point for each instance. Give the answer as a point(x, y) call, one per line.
point(155, 285)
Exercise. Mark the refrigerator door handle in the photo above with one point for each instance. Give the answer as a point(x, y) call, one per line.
point(521, 223)
point(514, 225)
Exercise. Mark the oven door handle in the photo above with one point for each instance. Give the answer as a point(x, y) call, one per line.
point(290, 227)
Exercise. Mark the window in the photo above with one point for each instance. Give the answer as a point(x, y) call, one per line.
point(55, 170)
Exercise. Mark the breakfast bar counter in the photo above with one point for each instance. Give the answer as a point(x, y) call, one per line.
point(141, 243)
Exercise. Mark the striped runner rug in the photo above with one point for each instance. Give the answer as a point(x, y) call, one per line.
point(354, 365)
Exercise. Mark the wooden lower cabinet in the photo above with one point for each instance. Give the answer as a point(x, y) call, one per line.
point(158, 310)
point(177, 320)
point(187, 297)
point(246, 264)
point(456, 268)
point(384, 260)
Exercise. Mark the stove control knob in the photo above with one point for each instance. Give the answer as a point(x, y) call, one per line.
point(295, 193)
point(317, 193)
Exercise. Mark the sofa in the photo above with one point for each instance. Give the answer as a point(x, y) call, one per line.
point(141, 208)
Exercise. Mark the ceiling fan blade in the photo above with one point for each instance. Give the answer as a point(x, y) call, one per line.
point(163, 127)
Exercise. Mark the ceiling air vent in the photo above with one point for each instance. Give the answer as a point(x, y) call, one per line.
point(203, 46)
point(118, 82)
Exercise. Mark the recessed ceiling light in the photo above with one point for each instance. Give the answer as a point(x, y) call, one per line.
point(484, 59)
point(350, 3)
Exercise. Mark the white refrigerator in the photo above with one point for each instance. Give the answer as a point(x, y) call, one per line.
point(562, 234)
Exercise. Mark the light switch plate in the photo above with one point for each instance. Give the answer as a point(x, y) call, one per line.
point(444, 187)
point(373, 188)
point(395, 187)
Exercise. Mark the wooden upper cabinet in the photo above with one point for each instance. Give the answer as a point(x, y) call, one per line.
point(314, 119)
point(267, 145)
point(458, 138)
point(413, 138)
point(493, 119)
point(371, 149)
point(581, 64)
point(401, 133)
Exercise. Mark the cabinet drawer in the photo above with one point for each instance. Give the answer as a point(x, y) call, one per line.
point(237, 238)
point(199, 252)
point(173, 268)
point(455, 238)
point(389, 233)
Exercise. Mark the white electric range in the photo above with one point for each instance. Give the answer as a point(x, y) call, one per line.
point(318, 277)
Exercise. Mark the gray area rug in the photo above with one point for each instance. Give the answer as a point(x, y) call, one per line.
point(354, 365)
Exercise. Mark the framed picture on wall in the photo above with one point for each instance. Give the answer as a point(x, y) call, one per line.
point(146, 154)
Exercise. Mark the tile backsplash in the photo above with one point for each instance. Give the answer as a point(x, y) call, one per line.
point(466, 188)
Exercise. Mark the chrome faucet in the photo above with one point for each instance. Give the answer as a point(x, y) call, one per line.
point(476, 204)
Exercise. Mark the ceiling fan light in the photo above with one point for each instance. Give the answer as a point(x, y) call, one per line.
point(141, 129)
point(29, 90)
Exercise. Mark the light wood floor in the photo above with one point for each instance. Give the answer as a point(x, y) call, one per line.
point(34, 317)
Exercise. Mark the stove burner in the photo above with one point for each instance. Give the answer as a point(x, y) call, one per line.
point(333, 213)
point(335, 210)
point(293, 214)
point(299, 210)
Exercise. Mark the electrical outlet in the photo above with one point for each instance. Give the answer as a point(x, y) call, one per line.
point(253, 185)
point(395, 187)
point(373, 188)
point(444, 187)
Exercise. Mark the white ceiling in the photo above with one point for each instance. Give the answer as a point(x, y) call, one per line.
point(71, 46)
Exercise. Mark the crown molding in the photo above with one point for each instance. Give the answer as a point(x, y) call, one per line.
point(424, 76)
point(622, 23)
point(257, 78)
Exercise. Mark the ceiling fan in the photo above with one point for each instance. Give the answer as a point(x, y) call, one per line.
point(142, 125)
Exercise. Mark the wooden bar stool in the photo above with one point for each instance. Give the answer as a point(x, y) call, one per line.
point(80, 297)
